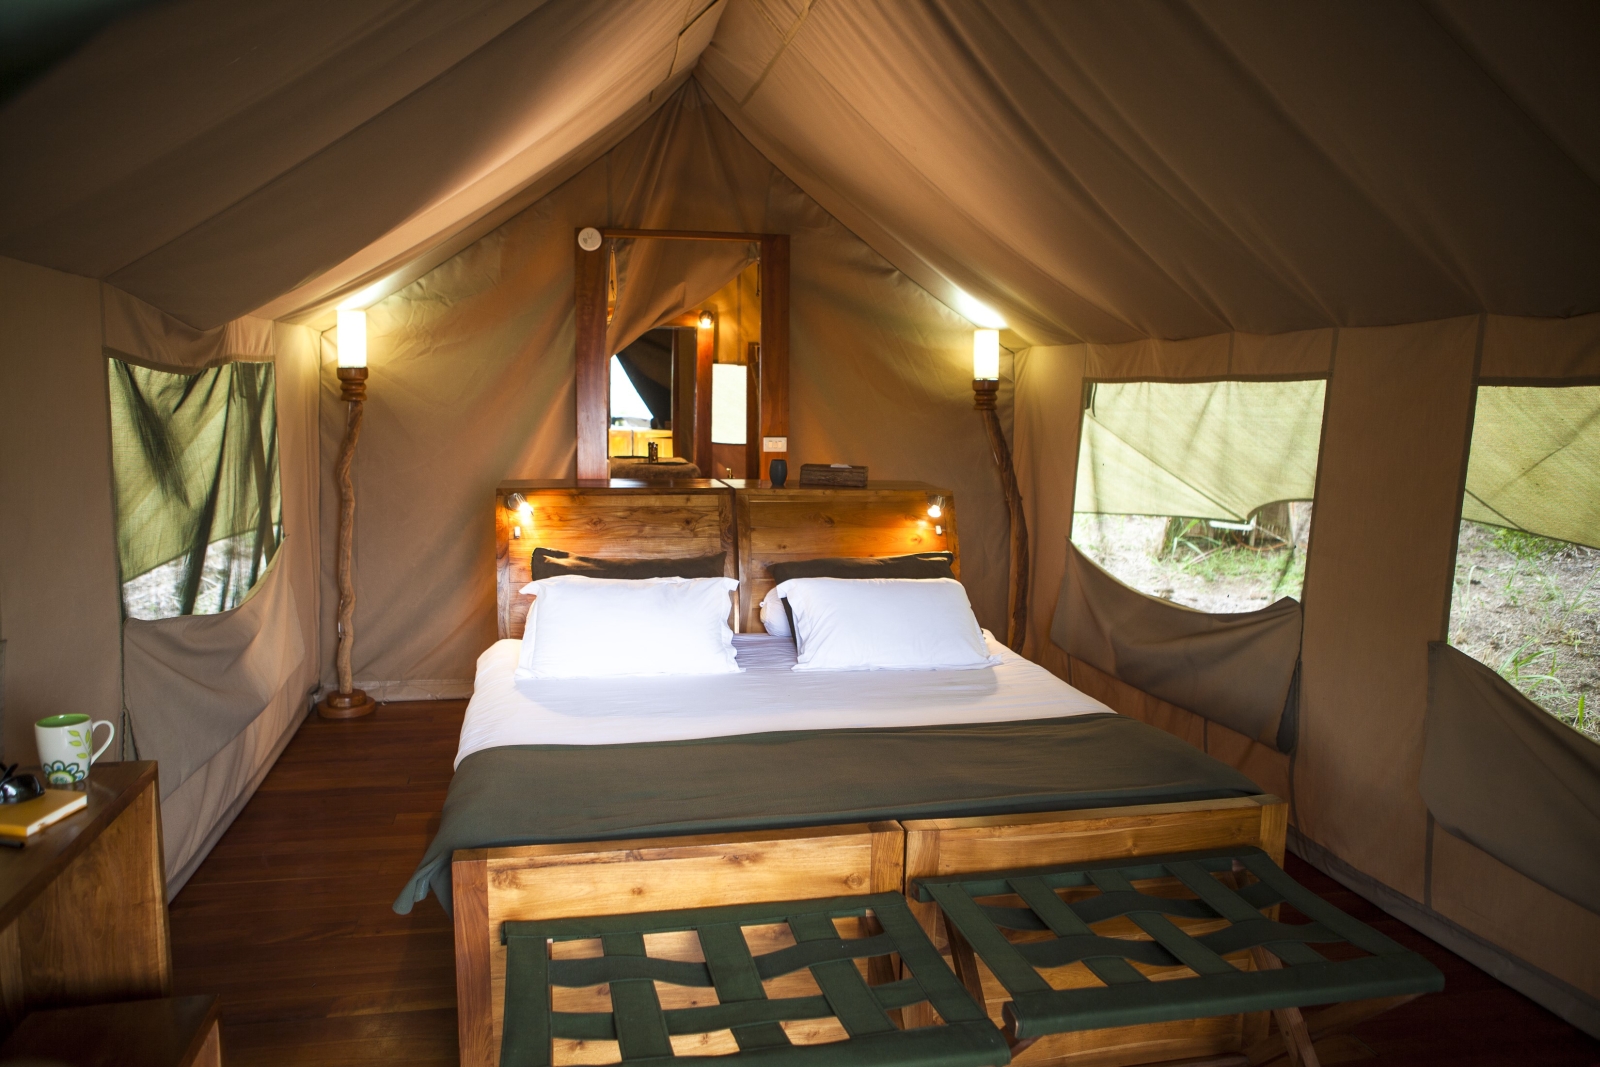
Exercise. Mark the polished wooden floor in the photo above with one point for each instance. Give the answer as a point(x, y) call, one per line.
point(289, 920)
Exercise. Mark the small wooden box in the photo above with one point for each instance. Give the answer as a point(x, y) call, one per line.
point(836, 476)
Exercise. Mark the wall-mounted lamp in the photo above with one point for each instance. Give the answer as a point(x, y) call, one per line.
point(707, 320)
point(985, 391)
point(520, 506)
point(348, 702)
point(934, 511)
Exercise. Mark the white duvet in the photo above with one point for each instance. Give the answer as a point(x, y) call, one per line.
point(765, 698)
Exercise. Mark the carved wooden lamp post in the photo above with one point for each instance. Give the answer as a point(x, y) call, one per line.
point(985, 389)
point(348, 702)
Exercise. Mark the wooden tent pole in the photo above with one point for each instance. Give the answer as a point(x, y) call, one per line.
point(349, 702)
point(984, 392)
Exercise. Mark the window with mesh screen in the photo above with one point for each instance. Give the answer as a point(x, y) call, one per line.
point(1200, 492)
point(1526, 600)
point(194, 461)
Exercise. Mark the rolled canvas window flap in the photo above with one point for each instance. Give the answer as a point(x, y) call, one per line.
point(1535, 462)
point(1504, 774)
point(192, 683)
point(1205, 450)
point(1235, 669)
point(134, 331)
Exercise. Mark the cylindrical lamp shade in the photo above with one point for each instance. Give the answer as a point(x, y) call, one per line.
point(352, 338)
point(986, 355)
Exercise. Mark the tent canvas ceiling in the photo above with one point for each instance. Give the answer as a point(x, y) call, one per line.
point(1098, 171)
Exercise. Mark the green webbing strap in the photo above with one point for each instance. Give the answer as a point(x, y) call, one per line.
point(1002, 956)
point(734, 973)
point(1073, 931)
point(1217, 986)
point(643, 1029)
point(525, 1037)
point(840, 982)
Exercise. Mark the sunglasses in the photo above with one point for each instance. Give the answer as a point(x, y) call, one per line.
point(16, 788)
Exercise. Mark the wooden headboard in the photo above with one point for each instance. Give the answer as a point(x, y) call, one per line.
point(636, 522)
point(884, 519)
point(754, 526)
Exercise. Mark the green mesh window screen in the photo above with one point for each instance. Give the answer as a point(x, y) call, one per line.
point(1526, 600)
point(194, 461)
point(1200, 492)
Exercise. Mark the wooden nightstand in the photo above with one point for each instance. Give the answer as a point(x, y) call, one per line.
point(83, 906)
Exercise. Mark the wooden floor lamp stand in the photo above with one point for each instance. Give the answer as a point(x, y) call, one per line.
point(984, 392)
point(348, 702)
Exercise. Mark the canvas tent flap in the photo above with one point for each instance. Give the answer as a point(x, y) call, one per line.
point(1204, 450)
point(193, 682)
point(1535, 461)
point(137, 333)
point(1504, 774)
point(1236, 669)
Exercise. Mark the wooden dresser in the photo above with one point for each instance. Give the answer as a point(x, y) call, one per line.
point(83, 906)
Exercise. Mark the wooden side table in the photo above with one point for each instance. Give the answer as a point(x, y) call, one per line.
point(175, 1032)
point(83, 905)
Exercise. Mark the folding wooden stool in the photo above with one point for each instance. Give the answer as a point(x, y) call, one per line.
point(1288, 974)
point(692, 975)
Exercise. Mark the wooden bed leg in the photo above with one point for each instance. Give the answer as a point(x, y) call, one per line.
point(469, 875)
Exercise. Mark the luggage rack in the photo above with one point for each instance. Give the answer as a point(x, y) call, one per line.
point(1281, 971)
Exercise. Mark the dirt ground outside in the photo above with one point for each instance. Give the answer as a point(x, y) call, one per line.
point(1198, 564)
point(1530, 608)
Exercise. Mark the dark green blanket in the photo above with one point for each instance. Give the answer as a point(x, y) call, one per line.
point(544, 794)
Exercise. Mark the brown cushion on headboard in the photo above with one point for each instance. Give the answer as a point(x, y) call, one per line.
point(915, 565)
point(552, 563)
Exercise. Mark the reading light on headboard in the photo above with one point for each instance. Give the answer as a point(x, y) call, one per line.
point(523, 509)
point(707, 320)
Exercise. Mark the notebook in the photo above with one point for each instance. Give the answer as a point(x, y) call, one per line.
point(20, 821)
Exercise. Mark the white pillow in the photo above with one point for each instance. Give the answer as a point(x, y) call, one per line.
point(881, 624)
point(608, 627)
point(773, 617)
point(525, 653)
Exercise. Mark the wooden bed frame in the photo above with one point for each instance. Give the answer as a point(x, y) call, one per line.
point(757, 527)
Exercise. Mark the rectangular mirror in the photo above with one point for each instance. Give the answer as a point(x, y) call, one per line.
point(707, 386)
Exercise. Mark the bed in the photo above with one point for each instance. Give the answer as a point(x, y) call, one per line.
point(583, 796)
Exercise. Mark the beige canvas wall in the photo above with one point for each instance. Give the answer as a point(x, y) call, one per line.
point(471, 384)
point(1378, 581)
point(60, 614)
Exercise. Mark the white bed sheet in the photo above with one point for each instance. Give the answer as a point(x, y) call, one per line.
point(765, 698)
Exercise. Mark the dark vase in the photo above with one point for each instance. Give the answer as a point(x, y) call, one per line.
point(778, 471)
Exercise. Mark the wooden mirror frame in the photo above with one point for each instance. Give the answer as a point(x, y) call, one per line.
point(593, 361)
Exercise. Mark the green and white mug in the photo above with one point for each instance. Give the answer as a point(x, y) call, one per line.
point(66, 746)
